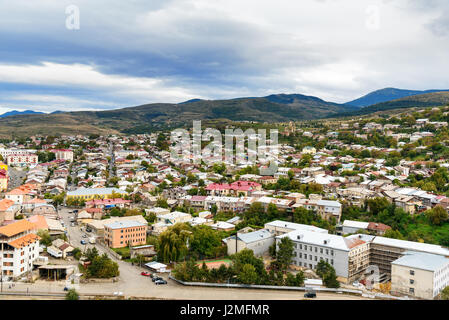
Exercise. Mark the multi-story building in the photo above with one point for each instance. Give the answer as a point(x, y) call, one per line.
point(257, 241)
point(349, 256)
point(63, 154)
point(420, 275)
point(238, 188)
point(94, 193)
point(22, 159)
point(19, 248)
point(121, 234)
point(328, 209)
point(383, 251)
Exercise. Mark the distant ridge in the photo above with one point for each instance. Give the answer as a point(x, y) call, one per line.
point(433, 99)
point(15, 113)
point(387, 94)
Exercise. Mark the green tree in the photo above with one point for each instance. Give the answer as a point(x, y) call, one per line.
point(173, 242)
point(248, 274)
point(206, 241)
point(284, 253)
point(445, 293)
point(437, 215)
point(45, 237)
point(102, 267)
point(72, 295)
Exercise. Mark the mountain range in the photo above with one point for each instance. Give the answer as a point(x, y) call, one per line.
point(386, 94)
point(148, 117)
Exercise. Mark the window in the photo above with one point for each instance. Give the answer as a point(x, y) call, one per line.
point(411, 290)
point(412, 281)
point(412, 272)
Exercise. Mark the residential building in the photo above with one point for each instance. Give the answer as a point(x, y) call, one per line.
point(22, 159)
point(419, 275)
point(125, 233)
point(19, 248)
point(348, 255)
point(94, 193)
point(257, 241)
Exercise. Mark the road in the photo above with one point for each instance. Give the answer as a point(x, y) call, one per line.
point(16, 177)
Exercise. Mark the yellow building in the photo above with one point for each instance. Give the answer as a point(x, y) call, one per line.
point(3, 166)
point(94, 193)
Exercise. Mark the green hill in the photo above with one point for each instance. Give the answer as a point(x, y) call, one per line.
point(149, 117)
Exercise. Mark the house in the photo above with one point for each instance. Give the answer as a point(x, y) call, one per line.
point(308, 150)
point(378, 228)
point(328, 209)
point(419, 275)
point(257, 241)
point(223, 226)
point(7, 210)
point(60, 249)
point(351, 227)
point(157, 211)
point(237, 188)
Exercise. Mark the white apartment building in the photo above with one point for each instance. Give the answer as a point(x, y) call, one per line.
point(22, 159)
point(349, 256)
point(420, 275)
point(63, 154)
point(19, 248)
point(7, 152)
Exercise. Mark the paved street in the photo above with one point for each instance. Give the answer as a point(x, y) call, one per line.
point(16, 177)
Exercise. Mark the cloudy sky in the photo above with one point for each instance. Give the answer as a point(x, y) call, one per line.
point(133, 52)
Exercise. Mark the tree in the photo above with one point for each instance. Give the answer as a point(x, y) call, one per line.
point(102, 267)
point(248, 274)
point(327, 273)
point(173, 242)
point(45, 237)
point(77, 253)
point(284, 254)
point(72, 295)
point(91, 254)
point(445, 293)
point(206, 241)
point(437, 215)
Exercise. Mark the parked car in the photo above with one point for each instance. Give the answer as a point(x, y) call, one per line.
point(88, 230)
point(146, 274)
point(83, 242)
point(161, 281)
point(66, 289)
point(156, 279)
point(310, 294)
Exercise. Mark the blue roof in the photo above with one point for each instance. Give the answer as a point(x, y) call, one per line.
point(124, 224)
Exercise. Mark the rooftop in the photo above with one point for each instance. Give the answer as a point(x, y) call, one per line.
point(124, 224)
point(421, 260)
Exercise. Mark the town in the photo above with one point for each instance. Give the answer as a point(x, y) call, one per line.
point(357, 208)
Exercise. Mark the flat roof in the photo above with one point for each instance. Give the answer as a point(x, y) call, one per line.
point(124, 224)
point(421, 260)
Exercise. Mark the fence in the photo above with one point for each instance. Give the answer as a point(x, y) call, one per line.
point(317, 289)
